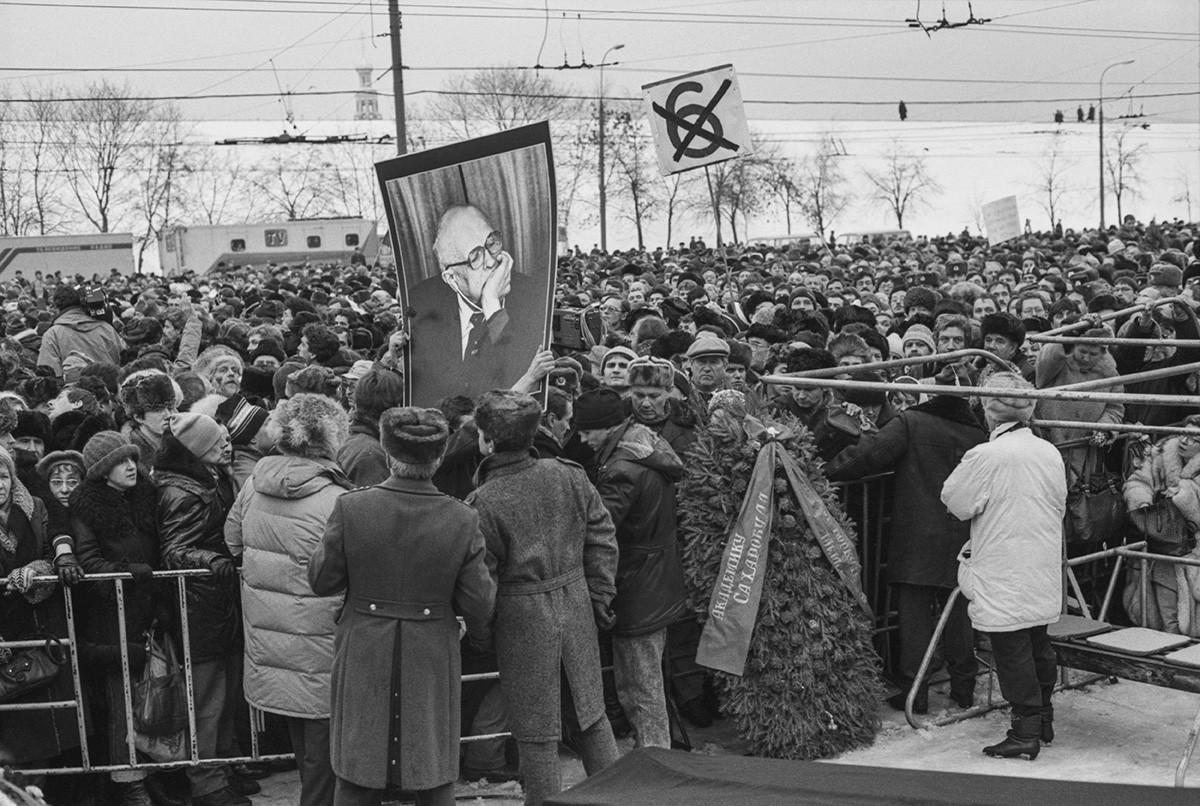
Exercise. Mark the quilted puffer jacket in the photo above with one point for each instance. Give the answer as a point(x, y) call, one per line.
point(276, 524)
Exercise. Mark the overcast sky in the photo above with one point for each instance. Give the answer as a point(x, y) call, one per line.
point(1045, 54)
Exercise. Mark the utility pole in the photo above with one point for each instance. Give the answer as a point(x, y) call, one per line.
point(397, 76)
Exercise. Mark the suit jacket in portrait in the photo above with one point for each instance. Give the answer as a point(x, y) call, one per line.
point(437, 366)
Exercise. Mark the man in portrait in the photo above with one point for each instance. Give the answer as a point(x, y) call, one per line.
point(477, 325)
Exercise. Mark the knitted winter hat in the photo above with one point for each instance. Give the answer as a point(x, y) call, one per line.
point(649, 371)
point(510, 419)
point(196, 432)
point(598, 409)
point(51, 460)
point(104, 451)
point(921, 334)
point(412, 435)
point(617, 351)
point(242, 418)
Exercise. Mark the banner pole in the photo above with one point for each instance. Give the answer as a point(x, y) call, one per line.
point(717, 217)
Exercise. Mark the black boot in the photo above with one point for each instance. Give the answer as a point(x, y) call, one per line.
point(1022, 739)
point(1047, 734)
point(920, 702)
point(1047, 714)
point(134, 793)
point(963, 696)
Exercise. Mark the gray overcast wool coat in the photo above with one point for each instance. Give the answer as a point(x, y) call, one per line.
point(556, 552)
point(409, 559)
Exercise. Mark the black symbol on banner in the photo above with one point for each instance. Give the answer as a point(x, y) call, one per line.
point(677, 119)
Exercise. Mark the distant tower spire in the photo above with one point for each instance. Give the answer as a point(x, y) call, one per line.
point(366, 100)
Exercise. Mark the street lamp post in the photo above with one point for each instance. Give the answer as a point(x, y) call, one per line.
point(1101, 110)
point(603, 194)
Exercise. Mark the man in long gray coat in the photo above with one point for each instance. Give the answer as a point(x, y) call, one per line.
point(410, 559)
point(556, 555)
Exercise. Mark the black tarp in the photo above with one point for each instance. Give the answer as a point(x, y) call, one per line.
point(673, 778)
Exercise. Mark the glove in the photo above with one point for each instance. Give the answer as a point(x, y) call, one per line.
point(140, 571)
point(69, 570)
point(606, 619)
point(223, 569)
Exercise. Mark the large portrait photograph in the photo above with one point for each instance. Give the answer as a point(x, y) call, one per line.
point(473, 227)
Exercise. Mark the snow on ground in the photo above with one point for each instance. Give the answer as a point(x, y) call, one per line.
point(1124, 732)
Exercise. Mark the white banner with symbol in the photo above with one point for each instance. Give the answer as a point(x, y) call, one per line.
point(697, 119)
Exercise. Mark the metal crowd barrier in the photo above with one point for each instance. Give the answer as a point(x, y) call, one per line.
point(79, 706)
point(867, 503)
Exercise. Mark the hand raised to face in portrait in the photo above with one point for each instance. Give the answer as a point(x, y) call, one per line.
point(497, 285)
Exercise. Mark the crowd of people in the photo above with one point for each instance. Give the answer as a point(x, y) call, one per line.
point(251, 423)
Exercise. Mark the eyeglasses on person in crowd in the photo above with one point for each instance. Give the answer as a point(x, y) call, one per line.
point(477, 257)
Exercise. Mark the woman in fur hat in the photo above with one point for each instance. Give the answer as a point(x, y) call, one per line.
point(274, 527)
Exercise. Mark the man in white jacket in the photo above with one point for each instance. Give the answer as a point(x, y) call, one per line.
point(1013, 490)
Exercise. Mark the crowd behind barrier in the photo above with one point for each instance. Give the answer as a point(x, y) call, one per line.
point(153, 427)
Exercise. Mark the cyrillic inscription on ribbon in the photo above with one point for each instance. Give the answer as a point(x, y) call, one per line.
point(733, 608)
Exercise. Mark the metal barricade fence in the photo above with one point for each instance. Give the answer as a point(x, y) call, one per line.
point(867, 503)
point(71, 640)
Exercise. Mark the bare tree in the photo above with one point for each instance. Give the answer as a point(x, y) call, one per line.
point(738, 187)
point(639, 195)
point(497, 99)
point(15, 216)
point(779, 176)
point(29, 179)
point(574, 162)
point(215, 186)
point(294, 184)
point(903, 182)
point(351, 178)
point(822, 184)
point(98, 142)
point(159, 189)
point(1053, 186)
point(1184, 196)
point(41, 123)
point(681, 194)
point(1122, 163)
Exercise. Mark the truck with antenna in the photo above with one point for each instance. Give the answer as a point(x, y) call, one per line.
point(202, 249)
point(92, 254)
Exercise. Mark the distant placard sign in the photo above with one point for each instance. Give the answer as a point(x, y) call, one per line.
point(697, 119)
point(1002, 220)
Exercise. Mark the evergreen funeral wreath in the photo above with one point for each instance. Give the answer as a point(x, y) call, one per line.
point(811, 685)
